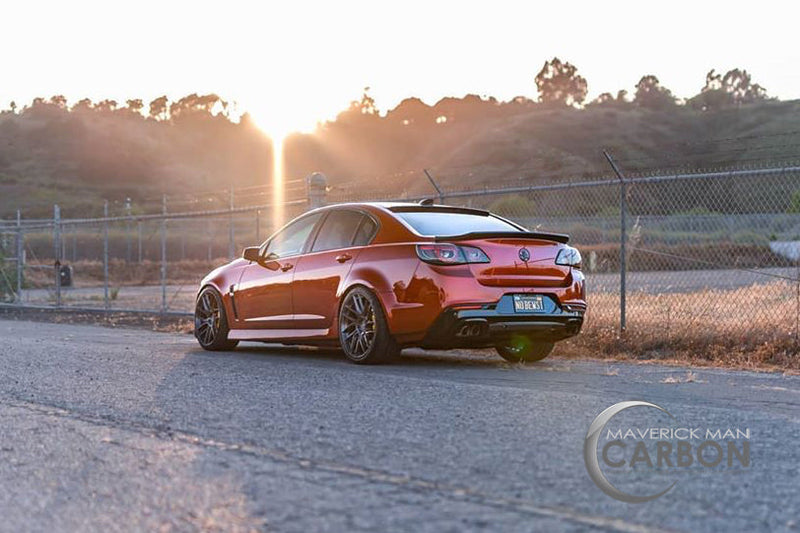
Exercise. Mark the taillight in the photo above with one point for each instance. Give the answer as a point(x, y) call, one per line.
point(450, 254)
point(569, 256)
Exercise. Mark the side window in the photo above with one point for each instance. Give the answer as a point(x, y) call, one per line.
point(365, 232)
point(291, 240)
point(337, 231)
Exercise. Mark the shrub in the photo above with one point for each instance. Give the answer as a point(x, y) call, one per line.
point(8, 276)
point(794, 202)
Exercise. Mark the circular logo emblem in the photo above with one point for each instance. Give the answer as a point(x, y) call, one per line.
point(590, 453)
point(525, 255)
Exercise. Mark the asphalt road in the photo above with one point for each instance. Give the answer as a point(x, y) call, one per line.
point(122, 429)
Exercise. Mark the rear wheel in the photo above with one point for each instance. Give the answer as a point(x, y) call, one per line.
point(523, 350)
point(363, 333)
point(211, 323)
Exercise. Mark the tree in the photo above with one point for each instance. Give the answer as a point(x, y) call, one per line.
point(735, 88)
point(59, 101)
point(362, 111)
point(366, 106)
point(651, 95)
point(13, 106)
point(135, 105)
point(82, 105)
point(106, 106)
point(194, 104)
point(559, 83)
point(158, 108)
point(603, 99)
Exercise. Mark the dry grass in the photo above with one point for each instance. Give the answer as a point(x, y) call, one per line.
point(749, 328)
point(168, 324)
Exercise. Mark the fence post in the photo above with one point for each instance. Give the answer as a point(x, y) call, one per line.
point(20, 252)
point(231, 244)
point(623, 239)
point(128, 243)
point(210, 239)
point(164, 254)
point(139, 232)
point(105, 255)
point(435, 185)
point(57, 251)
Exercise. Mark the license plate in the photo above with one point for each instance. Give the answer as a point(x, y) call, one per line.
point(524, 303)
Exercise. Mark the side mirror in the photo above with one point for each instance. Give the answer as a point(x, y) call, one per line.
point(252, 254)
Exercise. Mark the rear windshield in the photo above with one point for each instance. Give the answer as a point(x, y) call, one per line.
point(433, 223)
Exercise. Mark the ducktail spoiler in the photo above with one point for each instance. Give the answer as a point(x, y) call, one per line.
point(532, 235)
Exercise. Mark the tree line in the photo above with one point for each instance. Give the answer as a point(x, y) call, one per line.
point(558, 83)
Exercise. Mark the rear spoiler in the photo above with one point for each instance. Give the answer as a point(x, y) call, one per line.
point(532, 235)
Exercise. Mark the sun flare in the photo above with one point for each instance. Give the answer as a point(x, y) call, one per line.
point(278, 122)
point(278, 191)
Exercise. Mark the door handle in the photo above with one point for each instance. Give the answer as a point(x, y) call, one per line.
point(344, 258)
point(287, 267)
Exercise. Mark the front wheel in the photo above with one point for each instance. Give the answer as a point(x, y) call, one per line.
point(522, 349)
point(363, 333)
point(211, 322)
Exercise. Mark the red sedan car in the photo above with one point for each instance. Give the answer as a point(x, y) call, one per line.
point(373, 278)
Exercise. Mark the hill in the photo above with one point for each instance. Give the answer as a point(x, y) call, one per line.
point(50, 153)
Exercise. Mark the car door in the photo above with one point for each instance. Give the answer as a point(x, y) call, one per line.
point(320, 272)
point(263, 296)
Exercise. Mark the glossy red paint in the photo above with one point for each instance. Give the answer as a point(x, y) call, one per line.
point(296, 298)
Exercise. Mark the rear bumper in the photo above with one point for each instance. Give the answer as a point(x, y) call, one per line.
point(492, 322)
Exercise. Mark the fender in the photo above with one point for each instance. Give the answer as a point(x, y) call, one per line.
point(222, 279)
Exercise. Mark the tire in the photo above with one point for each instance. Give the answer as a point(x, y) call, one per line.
point(363, 333)
point(523, 350)
point(211, 323)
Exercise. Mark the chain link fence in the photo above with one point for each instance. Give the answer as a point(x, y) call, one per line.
point(683, 260)
point(127, 263)
point(706, 261)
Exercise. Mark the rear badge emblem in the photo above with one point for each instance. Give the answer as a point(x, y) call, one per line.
point(524, 254)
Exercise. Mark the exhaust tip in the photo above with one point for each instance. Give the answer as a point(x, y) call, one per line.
point(473, 328)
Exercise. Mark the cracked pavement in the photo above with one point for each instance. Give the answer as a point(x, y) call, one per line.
point(123, 429)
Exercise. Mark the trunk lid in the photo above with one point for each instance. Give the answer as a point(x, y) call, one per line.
point(520, 262)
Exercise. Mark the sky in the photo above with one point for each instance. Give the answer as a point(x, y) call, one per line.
point(293, 63)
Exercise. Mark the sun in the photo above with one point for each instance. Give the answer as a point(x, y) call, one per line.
point(287, 111)
point(277, 125)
